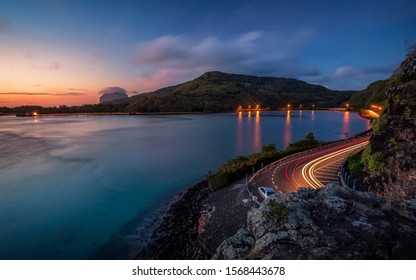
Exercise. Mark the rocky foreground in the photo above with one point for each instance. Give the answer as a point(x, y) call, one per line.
point(329, 223)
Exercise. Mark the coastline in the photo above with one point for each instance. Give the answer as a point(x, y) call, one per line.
point(175, 236)
point(163, 113)
point(198, 220)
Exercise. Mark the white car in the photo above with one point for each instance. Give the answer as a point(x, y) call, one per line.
point(266, 192)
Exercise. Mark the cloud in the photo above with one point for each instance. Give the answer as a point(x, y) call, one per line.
point(353, 77)
point(29, 55)
point(55, 66)
point(96, 56)
point(78, 89)
point(251, 36)
point(5, 26)
point(112, 90)
point(44, 93)
point(172, 59)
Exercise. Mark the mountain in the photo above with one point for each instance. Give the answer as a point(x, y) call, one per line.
point(108, 97)
point(219, 92)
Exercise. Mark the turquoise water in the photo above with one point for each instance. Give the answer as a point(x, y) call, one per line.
point(79, 187)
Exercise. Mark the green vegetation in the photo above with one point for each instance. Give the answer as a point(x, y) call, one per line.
point(220, 92)
point(214, 92)
point(374, 93)
point(238, 167)
point(373, 161)
point(354, 163)
point(89, 108)
point(308, 143)
point(380, 124)
point(278, 212)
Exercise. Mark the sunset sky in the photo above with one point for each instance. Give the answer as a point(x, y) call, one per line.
point(55, 52)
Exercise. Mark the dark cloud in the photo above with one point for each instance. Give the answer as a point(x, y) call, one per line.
point(112, 90)
point(252, 52)
point(352, 77)
point(173, 59)
point(44, 93)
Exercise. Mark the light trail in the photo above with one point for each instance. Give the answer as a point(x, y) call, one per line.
point(308, 169)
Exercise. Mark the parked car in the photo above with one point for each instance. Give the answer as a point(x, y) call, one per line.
point(266, 192)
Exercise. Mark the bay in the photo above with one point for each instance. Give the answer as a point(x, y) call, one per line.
point(72, 187)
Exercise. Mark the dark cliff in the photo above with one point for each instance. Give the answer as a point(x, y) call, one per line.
point(391, 158)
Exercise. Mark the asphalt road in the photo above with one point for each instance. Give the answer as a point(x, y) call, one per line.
point(312, 169)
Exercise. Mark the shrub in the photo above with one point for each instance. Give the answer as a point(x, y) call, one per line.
point(372, 161)
point(380, 124)
point(354, 163)
point(277, 212)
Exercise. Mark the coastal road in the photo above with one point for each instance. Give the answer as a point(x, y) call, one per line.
point(312, 169)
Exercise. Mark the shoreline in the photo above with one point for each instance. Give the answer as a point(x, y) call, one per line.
point(175, 236)
point(166, 113)
point(198, 220)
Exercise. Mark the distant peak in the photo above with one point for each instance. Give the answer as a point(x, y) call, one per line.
point(211, 74)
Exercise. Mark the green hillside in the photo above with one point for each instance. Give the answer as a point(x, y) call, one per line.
point(374, 93)
point(219, 92)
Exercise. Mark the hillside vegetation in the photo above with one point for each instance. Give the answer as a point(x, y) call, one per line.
point(220, 92)
point(373, 94)
point(212, 92)
point(390, 159)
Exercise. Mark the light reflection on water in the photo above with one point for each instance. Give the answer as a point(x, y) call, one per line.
point(287, 134)
point(70, 184)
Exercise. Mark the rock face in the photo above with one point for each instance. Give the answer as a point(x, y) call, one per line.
point(396, 135)
point(176, 237)
point(330, 223)
point(112, 96)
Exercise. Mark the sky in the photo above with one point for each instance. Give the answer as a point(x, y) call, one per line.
point(68, 52)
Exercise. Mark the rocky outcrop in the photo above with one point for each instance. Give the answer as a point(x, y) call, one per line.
point(176, 237)
point(329, 223)
point(395, 136)
point(108, 97)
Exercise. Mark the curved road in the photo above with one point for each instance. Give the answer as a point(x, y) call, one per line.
point(312, 169)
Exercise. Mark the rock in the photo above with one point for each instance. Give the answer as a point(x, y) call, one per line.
point(236, 246)
point(108, 97)
point(176, 237)
point(330, 223)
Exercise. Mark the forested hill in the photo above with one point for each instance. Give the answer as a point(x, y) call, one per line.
point(219, 92)
point(373, 94)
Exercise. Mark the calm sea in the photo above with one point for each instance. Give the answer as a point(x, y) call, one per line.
point(79, 187)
